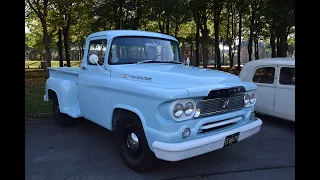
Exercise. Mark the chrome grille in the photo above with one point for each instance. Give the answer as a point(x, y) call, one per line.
point(215, 106)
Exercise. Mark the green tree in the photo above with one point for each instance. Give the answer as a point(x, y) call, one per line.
point(41, 9)
point(69, 11)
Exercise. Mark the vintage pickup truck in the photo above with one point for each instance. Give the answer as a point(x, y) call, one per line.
point(135, 84)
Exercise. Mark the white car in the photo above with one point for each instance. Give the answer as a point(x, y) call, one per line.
point(275, 79)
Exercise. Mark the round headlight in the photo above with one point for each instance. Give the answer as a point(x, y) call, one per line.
point(178, 110)
point(188, 109)
point(246, 98)
point(252, 98)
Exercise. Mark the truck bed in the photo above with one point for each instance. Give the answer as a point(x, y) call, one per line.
point(70, 73)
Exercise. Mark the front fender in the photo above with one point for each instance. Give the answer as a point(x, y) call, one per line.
point(142, 119)
point(132, 109)
point(67, 93)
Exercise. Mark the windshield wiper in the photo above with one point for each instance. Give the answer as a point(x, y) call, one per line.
point(157, 61)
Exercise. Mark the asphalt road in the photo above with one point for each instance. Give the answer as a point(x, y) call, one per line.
point(87, 152)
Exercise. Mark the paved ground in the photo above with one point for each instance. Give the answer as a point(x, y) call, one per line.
point(86, 152)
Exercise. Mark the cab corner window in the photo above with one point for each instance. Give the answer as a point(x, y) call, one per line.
point(97, 47)
point(264, 75)
point(287, 76)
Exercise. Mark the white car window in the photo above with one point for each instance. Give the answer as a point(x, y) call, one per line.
point(264, 75)
point(287, 76)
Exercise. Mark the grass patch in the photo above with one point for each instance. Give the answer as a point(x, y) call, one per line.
point(36, 64)
point(34, 90)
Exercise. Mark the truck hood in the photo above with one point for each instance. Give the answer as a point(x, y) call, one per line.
point(192, 78)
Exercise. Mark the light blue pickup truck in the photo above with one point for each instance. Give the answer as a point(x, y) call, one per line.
point(135, 84)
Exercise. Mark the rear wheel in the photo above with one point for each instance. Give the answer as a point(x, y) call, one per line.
point(132, 144)
point(61, 119)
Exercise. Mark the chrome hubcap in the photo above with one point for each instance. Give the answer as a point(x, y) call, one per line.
point(133, 142)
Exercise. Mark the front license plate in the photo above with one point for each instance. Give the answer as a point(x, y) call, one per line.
point(231, 139)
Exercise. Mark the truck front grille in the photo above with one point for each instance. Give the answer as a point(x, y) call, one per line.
point(216, 106)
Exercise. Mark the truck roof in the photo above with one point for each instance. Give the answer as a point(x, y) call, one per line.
point(116, 33)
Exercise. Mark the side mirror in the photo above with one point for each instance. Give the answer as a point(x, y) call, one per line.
point(93, 59)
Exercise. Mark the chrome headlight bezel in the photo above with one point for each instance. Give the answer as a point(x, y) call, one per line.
point(185, 115)
point(178, 110)
point(188, 108)
point(250, 98)
point(246, 99)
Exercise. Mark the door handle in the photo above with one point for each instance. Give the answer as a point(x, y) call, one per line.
point(84, 68)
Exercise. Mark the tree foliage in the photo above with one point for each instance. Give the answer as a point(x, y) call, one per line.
point(216, 21)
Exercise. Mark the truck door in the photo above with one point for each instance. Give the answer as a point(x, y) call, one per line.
point(92, 81)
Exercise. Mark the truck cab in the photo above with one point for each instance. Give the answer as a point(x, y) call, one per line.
point(135, 84)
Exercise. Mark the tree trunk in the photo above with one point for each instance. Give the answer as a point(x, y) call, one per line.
point(204, 64)
point(251, 33)
point(65, 30)
point(183, 48)
point(205, 36)
point(191, 51)
point(256, 48)
point(216, 21)
point(138, 16)
point(161, 27)
point(82, 50)
point(273, 40)
point(47, 42)
point(223, 53)
point(286, 38)
point(197, 45)
point(176, 28)
point(240, 30)
point(60, 48)
point(278, 46)
point(168, 26)
point(283, 40)
point(232, 38)
point(228, 31)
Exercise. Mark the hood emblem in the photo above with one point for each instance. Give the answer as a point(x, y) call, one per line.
point(225, 104)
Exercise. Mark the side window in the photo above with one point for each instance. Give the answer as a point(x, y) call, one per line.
point(264, 75)
point(287, 76)
point(97, 47)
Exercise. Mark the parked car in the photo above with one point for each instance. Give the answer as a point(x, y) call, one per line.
point(135, 84)
point(275, 79)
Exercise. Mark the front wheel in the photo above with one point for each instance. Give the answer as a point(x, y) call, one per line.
point(132, 144)
point(61, 119)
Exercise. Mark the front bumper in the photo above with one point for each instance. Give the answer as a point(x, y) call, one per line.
point(188, 149)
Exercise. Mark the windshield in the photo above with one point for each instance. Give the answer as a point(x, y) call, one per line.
point(128, 50)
